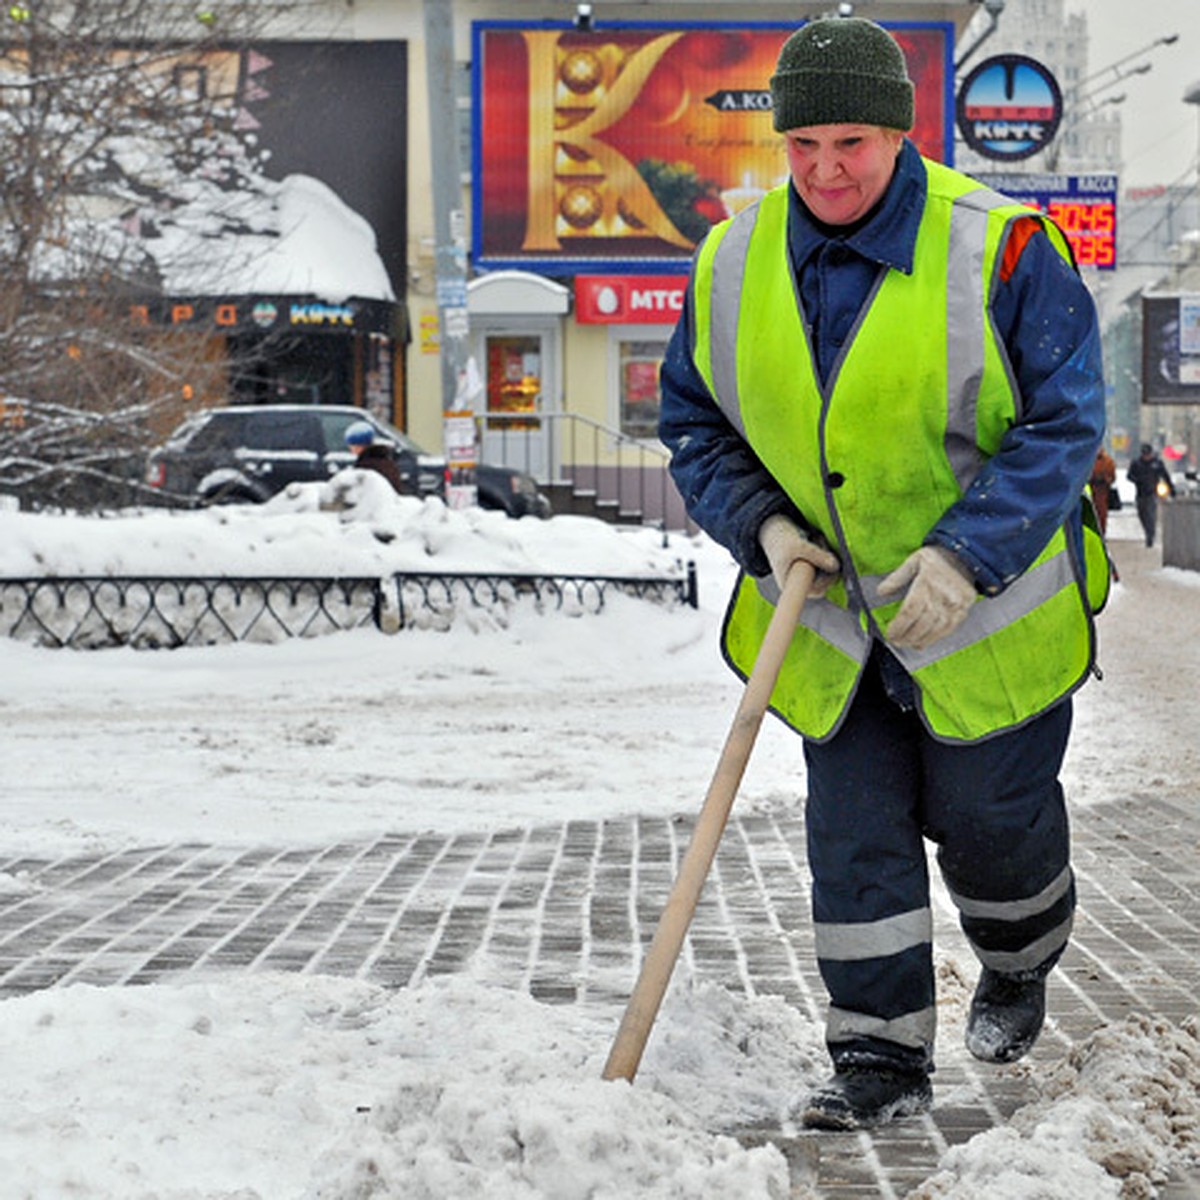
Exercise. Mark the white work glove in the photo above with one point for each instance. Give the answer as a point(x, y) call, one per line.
point(940, 594)
point(785, 543)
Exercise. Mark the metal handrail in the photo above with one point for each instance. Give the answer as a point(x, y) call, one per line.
point(585, 472)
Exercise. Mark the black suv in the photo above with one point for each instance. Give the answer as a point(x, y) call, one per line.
point(245, 454)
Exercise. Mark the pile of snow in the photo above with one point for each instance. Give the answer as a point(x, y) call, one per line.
point(1116, 1116)
point(353, 525)
point(271, 1086)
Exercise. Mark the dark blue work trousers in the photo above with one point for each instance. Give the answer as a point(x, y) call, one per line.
point(1147, 511)
point(995, 810)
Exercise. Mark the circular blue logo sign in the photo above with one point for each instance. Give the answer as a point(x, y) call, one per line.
point(1009, 107)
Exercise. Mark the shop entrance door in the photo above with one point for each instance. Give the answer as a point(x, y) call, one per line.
point(519, 367)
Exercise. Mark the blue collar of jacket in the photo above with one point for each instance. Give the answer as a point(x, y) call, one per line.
point(889, 237)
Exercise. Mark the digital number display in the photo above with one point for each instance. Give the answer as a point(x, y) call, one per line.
point(1084, 207)
point(1091, 228)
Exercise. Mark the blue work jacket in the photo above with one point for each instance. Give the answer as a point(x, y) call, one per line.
point(1043, 315)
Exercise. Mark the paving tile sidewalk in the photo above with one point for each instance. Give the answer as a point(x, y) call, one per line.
point(563, 911)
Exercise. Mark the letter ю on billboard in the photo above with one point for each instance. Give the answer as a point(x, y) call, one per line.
point(618, 148)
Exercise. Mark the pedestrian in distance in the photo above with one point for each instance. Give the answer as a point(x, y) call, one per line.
point(370, 455)
point(1105, 497)
point(861, 380)
point(1102, 482)
point(1150, 480)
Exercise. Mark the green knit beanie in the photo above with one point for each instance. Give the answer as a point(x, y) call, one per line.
point(841, 71)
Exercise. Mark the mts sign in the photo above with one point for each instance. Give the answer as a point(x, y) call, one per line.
point(629, 299)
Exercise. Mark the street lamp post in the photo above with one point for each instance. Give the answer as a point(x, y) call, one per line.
point(1192, 96)
point(1077, 98)
point(1077, 118)
point(449, 222)
point(1167, 39)
point(994, 8)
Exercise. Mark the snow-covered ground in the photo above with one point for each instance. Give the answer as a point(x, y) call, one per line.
point(243, 1086)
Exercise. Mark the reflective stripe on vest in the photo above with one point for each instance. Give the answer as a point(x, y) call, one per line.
point(1016, 654)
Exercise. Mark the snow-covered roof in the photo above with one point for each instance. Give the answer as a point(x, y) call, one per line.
point(323, 248)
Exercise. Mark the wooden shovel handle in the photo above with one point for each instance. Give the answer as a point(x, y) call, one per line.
point(627, 1048)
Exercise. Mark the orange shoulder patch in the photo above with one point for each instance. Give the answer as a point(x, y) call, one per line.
point(1018, 238)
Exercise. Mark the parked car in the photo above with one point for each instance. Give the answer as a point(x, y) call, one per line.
point(246, 454)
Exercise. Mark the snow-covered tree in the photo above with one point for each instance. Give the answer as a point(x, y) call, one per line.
point(127, 173)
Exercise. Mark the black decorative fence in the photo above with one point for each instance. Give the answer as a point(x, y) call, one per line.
point(151, 613)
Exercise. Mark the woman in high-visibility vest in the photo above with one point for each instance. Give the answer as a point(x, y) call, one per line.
point(893, 373)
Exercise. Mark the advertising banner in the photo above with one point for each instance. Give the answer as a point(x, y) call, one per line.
point(1171, 349)
point(618, 148)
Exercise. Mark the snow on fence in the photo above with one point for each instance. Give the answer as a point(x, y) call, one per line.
point(153, 613)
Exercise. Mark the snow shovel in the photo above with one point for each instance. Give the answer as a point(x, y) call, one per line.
point(626, 1052)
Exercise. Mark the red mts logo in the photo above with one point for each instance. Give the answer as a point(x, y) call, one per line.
point(629, 299)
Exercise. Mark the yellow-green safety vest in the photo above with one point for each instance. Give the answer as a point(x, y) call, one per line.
point(873, 462)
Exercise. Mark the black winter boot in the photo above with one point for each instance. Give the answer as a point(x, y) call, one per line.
point(860, 1097)
point(1006, 1016)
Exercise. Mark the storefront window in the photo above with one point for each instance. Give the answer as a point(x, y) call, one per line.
point(638, 363)
point(514, 381)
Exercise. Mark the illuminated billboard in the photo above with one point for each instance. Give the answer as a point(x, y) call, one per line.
point(617, 148)
point(1171, 348)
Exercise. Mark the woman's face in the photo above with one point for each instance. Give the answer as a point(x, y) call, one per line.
point(840, 171)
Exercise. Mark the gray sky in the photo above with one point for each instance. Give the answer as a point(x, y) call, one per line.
point(1160, 132)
